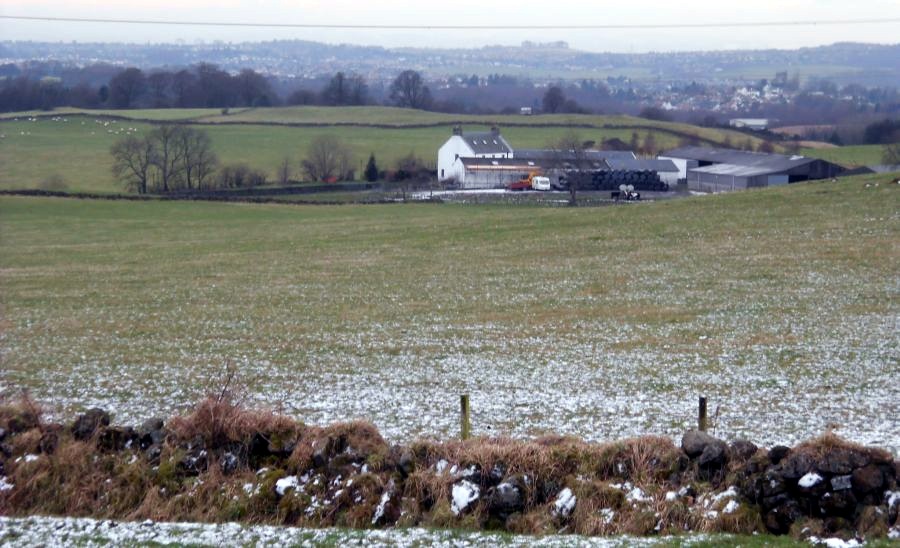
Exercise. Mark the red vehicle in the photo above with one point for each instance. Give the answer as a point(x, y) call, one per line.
point(522, 184)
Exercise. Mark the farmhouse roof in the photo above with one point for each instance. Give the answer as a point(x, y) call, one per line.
point(488, 142)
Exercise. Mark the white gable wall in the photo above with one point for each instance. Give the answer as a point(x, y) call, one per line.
point(682, 164)
point(455, 147)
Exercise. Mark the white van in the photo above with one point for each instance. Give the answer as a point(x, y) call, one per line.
point(540, 183)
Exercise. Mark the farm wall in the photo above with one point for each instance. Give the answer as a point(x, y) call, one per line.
point(223, 463)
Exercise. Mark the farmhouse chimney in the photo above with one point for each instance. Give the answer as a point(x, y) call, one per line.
point(457, 130)
point(495, 131)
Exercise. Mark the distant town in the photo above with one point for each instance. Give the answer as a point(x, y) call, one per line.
point(842, 84)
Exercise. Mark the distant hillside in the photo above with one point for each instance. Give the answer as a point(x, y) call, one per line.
point(844, 63)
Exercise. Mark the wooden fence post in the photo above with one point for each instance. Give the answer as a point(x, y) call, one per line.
point(701, 417)
point(465, 426)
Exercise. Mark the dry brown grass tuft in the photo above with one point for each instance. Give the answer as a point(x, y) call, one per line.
point(746, 520)
point(818, 448)
point(361, 437)
point(593, 497)
point(71, 481)
point(650, 459)
point(20, 413)
point(219, 421)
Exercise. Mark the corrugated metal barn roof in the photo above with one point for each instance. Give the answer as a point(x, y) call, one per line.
point(664, 166)
point(569, 156)
point(767, 162)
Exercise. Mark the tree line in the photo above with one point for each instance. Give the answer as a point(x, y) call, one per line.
point(175, 157)
point(202, 86)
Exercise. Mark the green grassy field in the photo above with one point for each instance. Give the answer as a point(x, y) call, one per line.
point(77, 150)
point(781, 305)
point(138, 114)
point(864, 155)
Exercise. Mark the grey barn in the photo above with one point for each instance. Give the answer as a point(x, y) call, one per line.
point(717, 170)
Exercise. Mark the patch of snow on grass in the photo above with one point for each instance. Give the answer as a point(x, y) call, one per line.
point(834, 542)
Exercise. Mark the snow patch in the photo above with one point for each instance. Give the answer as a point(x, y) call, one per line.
point(4, 484)
point(834, 542)
point(731, 507)
point(810, 480)
point(891, 498)
point(607, 514)
point(730, 493)
point(464, 493)
point(382, 504)
point(637, 495)
point(565, 503)
point(282, 485)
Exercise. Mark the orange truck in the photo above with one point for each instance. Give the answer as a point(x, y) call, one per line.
point(532, 182)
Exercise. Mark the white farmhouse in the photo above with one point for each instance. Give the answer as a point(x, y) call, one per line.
point(469, 145)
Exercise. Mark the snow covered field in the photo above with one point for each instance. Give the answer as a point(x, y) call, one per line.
point(600, 323)
point(60, 532)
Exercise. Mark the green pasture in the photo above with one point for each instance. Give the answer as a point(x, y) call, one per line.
point(77, 150)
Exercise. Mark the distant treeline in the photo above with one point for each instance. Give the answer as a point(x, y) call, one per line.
point(44, 86)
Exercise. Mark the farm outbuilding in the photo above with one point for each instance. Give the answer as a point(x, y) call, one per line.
point(486, 160)
point(476, 173)
point(717, 170)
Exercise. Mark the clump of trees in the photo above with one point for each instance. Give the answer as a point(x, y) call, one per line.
point(891, 154)
point(882, 133)
point(170, 157)
point(239, 176)
point(556, 102)
point(328, 159)
point(409, 90)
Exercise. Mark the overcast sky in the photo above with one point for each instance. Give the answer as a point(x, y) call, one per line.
point(464, 12)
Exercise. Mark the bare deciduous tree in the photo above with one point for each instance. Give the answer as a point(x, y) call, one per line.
point(197, 157)
point(553, 100)
point(570, 152)
point(284, 171)
point(126, 87)
point(327, 157)
point(169, 157)
point(891, 154)
point(409, 90)
point(133, 162)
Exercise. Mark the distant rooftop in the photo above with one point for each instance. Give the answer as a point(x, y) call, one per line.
point(637, 164)
point(591, 155)
point(759, 160)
